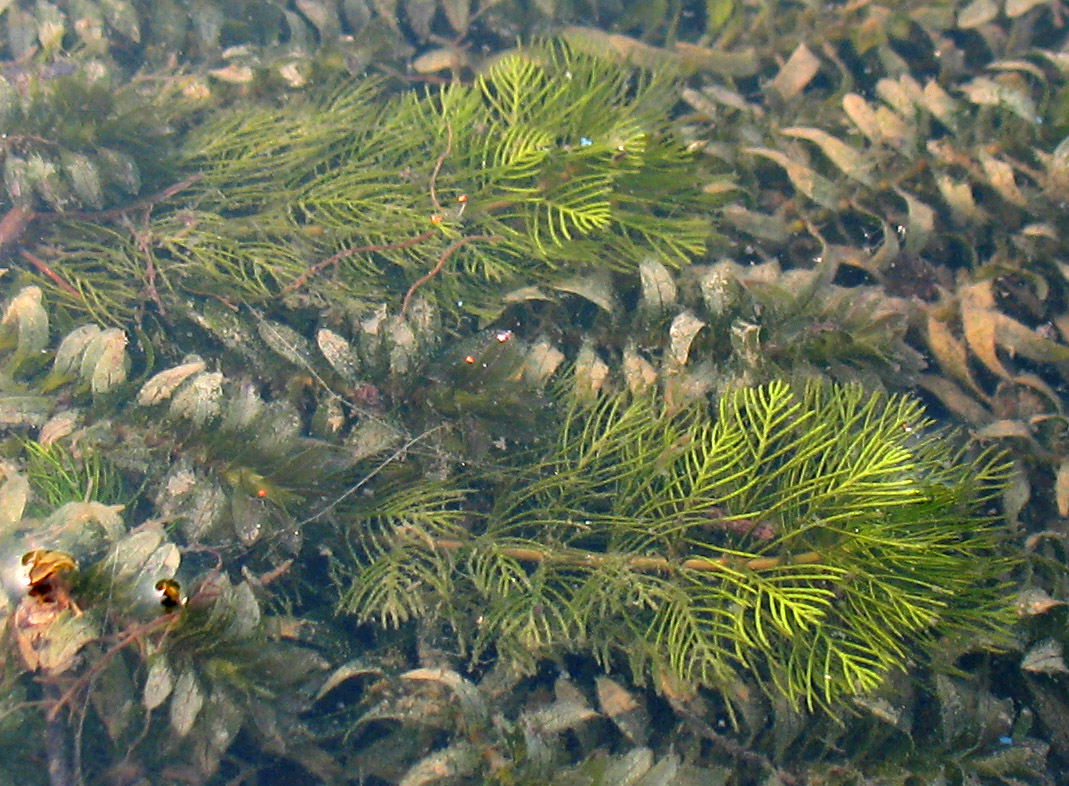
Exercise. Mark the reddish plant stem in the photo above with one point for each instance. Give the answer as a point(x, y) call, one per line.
point(97, 667)
point(450, 250)
point(303, 279)
point(15, 221)
point(45, 270)
point(438, 166)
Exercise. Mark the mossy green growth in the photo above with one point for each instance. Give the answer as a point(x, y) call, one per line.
point(813, 540)
point(550, 163)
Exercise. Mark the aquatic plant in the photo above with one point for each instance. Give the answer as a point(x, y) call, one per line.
point(552, 162)
point(801, 537)
point(76, 140)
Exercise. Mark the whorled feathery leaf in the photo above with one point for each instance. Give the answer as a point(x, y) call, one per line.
point(814, 539)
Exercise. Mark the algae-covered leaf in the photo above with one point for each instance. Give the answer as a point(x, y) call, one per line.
point(14, 493)
point(458, 13)
point(123, 17)
point(161, 386)
point(247, 516)
point(920, 225)
point(339, 353)
point(591, 373)
point(1016, 8)
point(243, 408)
point(955, 399)
point(345, 672)
point(56, 644)
point(84, 179)
point(863, 116)
point(681, 334)
point(541, 362)
point(958, 196)
point(903, 95)
point(69, 355)
point(658, 286)
point(596, 287)
point(25, 325)
point(1061, 488)
point(199, 401)
point(158, 683)
point(286, 341)
point(623, 709)
point(104, 362)
point(454, 761)
point(1034, 601)
point(989, 92)
point(186, 702)
point(639, 373)
point(142, 558)
point(1000, 176)
point(60, 425)
point(71, 521)
point(245, 610)
point(560, 716)
point(627, 769)
point(1005, 429)
point(1046, 657)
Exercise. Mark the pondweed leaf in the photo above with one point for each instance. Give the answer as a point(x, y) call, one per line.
point(158, 683)
point(186, 702)
point(50, 640)
point(796, 73)
point(199, 401)
point(1046, 657)
point(14, 493)
point(104, 363)
point(161, 386)
point(454, 761)
point(804, 178)
point(658, 285)
point(1061, 488)
point(681, 334)
point(339, 354)
point(24, 326)
point(70, 523)
point(850, 161)
point(68, 360)
point(976, 13)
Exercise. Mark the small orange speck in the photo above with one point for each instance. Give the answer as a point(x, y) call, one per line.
point(462, 199)
point(469, 359)
point(261, 493)
point(437, 218)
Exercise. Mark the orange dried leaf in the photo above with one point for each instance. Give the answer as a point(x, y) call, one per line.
point(1019, 339)
point(955, 399)
point(849, 160)
point(951, 355)
point(1061, 488)
point(796, 73)
point(979, 322)
point(1005, 429)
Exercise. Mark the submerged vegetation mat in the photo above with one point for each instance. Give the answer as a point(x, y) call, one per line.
point(382, 405)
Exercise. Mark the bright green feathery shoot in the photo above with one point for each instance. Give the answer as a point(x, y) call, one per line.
point(813, 540)
point(551, 163)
